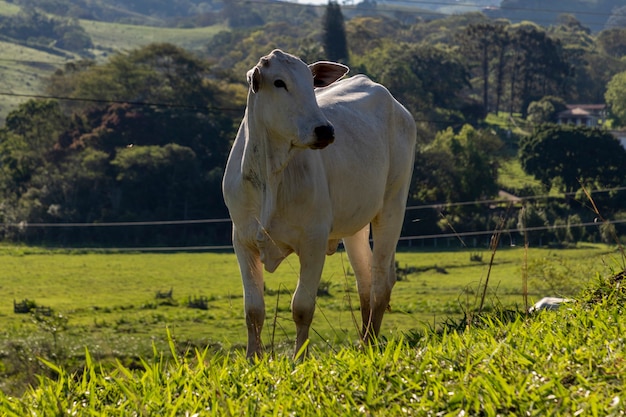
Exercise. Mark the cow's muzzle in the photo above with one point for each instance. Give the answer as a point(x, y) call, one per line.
point(324, 136)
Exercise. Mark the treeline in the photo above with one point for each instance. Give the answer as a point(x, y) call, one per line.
point(38, 30)
point(153, 12)
point(145, 136)
point(594, 14)
point(148, 145)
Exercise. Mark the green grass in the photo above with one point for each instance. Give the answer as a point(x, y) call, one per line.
point(105, 308)
point(119, 37)
point(8, 9)
point(109, 299)
point(23, 71)
point(505, 121)
point(511, 176)
point(568, 362)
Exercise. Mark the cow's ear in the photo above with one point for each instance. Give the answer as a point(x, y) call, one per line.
point(254, 79)
point(326, 73)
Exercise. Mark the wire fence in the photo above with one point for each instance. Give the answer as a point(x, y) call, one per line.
point(407, 240)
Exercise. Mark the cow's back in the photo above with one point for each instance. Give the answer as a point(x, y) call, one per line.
point(373, 150)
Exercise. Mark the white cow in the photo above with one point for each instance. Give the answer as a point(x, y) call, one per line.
point(289, 190)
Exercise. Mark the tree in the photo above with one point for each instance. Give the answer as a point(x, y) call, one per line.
point(566, 156)
point(28, 139)
point(537, 67)
point(616, 98)
point(239, 15)
point(160, 73)
point(540, 112)
point(156, 178)
point(487, 42)
point(457, 167)
point(546, 69)
point(592, 74)
point(431, 82)
point(613, 41)
point(177, 85)
point(366, 33)
point(334, 33)
point(152, 146)
point(532, 216)
point(35, 27)
point(545, 110)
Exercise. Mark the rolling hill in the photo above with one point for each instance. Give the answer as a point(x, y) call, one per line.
point(25, 65)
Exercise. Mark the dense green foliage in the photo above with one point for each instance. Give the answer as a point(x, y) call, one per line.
point(37, 29)
point(149, 144)
point(334, 33)
point(616, 98)
point(461, 167)
point(572, 155)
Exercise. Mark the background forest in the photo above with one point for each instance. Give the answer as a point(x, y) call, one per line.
point(124, 115)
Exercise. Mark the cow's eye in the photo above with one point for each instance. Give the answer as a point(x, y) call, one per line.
point(280, 84)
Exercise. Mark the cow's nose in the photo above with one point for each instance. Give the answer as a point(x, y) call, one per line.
point(324, 136)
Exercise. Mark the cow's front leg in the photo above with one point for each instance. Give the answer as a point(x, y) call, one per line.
point(252, 276)
point(303, 301)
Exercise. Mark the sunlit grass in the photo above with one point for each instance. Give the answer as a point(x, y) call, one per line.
point(511, 176)
point(148, 358)
point(8, 9)
point(568, 362)
point(24, 71)
point(118, 37)
point(109, 300)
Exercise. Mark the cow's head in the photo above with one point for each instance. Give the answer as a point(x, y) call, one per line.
point(283, 100)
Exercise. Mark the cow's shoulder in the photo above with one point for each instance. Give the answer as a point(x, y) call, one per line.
point(359, 88)
point(356, 83)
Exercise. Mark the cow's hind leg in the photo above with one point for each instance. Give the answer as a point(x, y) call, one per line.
point(386, 229)
point(252, 276)
point(303, 302)
point(360, 255)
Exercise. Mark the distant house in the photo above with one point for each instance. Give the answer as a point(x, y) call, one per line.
point(590, 115)
point(583, 115)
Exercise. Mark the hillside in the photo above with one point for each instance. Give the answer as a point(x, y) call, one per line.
point(117, 37)
point(25, 65)
point(144, 12)
point(594, 14)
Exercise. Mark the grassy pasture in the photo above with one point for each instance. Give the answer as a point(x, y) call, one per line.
point(8, 9)
point(565, 363)
point(110, 305)
point(569, 362)
point(511, 176)
point(22, 72)
point(119, 37)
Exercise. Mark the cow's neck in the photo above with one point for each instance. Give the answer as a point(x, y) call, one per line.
point(265, 161)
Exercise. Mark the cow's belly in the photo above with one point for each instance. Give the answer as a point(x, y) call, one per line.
point(355, 207)
point(348, 226)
